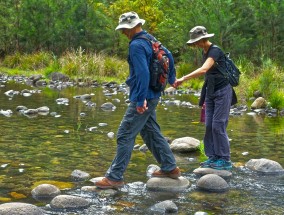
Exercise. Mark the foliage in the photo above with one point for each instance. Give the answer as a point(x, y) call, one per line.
point(34, 61)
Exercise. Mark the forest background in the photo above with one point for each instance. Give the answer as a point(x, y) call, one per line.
point(77, 38)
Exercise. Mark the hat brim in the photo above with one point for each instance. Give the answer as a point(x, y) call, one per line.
point(191, 41)
point(130, 25)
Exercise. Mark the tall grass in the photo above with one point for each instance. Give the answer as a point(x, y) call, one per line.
point(267, 78)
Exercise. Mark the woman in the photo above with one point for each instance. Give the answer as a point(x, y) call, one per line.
point(218, 96)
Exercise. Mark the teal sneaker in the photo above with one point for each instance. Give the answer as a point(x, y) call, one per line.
point(221, 164)
point(207, 163)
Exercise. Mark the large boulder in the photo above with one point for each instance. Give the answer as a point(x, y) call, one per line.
point(259, 103)
point(185, 144)
point(265, 166)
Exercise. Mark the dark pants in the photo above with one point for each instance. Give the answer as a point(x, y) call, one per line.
point(216, 141)
point(131, 124)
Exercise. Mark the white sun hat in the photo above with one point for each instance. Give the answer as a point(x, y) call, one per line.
point(129, 20)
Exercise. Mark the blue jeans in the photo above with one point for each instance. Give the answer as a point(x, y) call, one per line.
point(217, 110)
point(131, 124)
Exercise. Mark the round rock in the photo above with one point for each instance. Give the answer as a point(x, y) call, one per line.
point(168, 184)
point(265, 166)
point(205, 171)
point(69, 202)
point(20, 209)
point(212, 183)
point(45, 191)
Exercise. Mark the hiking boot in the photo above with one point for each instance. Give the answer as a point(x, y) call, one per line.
point(105, 183)
point(174, 174)
point(221, 164)
point(206, 164)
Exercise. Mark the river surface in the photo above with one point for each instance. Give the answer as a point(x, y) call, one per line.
point(47, 148)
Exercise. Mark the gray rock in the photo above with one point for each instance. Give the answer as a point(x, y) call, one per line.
point(165, 207)
point(185, 144)
point(17, 208)
point(108, 106)
point(43, 109)
point(57, 76)
point(79, 175)
point(212, 183)
point(168, 184)
point(45, 191)
point(69, 202)
point(143, 148)
point(200, 213)
point(100, 192)
point(204, 171)
point(152, 168)
point(260, 102)
point(30, 111)
point(265, 166)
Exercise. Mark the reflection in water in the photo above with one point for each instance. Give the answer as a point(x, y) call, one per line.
point(47, 148)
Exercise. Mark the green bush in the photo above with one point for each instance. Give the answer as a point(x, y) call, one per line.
point(33, 61)
point(276, 99)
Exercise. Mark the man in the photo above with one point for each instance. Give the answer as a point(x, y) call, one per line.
point(140, 115)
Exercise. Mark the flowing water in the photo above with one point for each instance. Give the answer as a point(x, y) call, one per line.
point(47, 148)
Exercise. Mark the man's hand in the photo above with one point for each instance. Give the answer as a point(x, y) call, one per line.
point(178, 82)
point(142, 109)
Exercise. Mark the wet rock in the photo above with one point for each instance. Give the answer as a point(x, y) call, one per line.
point(17, 208)
point(136, 147)
point(143, 148)
point(63, 101)
point(69, 202)
point(200, 213)
point(204, 171)
point(35, 78)
point(260, 102)
point(170, 90)
point(152, 168)
point(265, 166)
point(86, 97)
point(21, 108)
point(185, 144)
point(212, 183)
point(173, 103)
point(30, 111)
point(168, 184)
point(165, 207)
point(45, 191)
point(79, 175)
point(100, 192)
point(57, 76)
point(257, 94)
point(40, 83)
point(7, 113)
point(108, 106)
point(110, 135)
point(11, 93)
point(43, 109)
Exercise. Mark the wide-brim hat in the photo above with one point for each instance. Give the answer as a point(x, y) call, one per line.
point(197, 33)
point(129, 20)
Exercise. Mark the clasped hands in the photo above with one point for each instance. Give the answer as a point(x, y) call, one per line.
point(178, 82)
